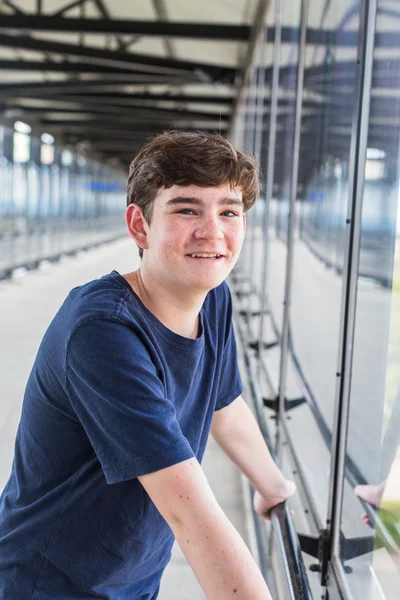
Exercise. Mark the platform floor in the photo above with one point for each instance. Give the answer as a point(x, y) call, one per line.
point(27, 305)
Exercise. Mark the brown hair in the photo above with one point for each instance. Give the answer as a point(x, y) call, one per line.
point(189, 158)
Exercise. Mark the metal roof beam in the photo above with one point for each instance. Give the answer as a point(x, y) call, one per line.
point(11, 5)
point(146, 97)
point(61, 11)
point(141, 131)
point(209, 31)
point(44, 89)
point(136, 62)
point(63, 67)
point(112, 120)
point(124, 99)
point(159, 125)
point(206, 31)
point(104, 12)
point(137, 111)
point(257, 32)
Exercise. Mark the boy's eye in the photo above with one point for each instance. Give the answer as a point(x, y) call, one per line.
point(186, 211)
point(231, 213)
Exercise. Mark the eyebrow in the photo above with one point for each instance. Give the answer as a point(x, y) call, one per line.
point(198, 202)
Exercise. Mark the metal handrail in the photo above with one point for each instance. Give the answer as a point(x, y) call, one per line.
point(296, 579)
point(286, 537)
point(352, 472)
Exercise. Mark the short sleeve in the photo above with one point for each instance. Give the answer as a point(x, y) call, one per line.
point(115, 391)
point(230, 386)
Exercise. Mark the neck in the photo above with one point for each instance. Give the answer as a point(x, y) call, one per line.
point(179, 312)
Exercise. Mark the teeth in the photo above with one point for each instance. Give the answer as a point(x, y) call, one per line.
point(205, 255)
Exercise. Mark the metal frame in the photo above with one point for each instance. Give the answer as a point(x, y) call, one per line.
point(349, 295)
point(270, 165)
point(292, 201)
point(330, 547)
point(296, 579)
point(248, 66)
point(257, 137)
point(250, 137)
point(117, 58)
point(207, 31)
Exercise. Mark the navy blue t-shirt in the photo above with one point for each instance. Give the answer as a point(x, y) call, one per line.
point(113, 394)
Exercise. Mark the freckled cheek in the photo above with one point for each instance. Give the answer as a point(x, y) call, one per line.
point(172, 240)
point(235, 236)
point(175, 236)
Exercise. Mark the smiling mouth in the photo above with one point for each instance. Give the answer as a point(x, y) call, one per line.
point(203, 255)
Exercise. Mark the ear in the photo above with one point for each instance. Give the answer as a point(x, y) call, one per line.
point(136, 225)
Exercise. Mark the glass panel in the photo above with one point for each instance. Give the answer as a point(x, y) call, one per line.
point(260, 94)
point(369, 549)
point(328, 101)
point(6, 195)
point(261, 151)
point(282, 171)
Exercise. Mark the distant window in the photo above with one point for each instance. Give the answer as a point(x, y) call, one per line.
point(21, 147)
point(67, 158)
point(374, 169)
point(47, 154)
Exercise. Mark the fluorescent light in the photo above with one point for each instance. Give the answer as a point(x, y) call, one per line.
point(22, 127)
point(47, 138)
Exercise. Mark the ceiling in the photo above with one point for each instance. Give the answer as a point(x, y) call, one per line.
point(106, 74)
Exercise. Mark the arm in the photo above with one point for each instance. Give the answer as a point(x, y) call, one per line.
point(236, 430)
point(216, 552)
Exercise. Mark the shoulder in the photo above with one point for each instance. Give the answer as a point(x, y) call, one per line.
point(102, 299)
point(99, 298)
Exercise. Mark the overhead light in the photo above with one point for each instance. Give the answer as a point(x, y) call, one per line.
point(22, 127)
point(47, 138)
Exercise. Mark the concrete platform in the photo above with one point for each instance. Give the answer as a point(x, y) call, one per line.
point(27, 305)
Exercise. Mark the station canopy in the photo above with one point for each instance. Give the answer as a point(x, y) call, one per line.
point(104, 75)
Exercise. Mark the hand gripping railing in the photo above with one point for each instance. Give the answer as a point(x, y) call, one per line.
point(297, 584)
point(295, 578)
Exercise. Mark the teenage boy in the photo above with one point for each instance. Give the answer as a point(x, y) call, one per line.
point(130, 377)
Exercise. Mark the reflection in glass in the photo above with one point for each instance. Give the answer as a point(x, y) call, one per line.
point(322, 196)
point(370, 520)
point(279, 207)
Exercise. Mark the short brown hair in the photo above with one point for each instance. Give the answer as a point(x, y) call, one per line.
point(189, 158)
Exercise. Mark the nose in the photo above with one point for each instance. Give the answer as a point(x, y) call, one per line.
point(209, 228)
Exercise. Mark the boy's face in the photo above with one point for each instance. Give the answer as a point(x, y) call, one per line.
point(190, 220)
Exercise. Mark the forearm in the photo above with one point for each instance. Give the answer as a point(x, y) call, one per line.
point(220, 559)
point(242, 440)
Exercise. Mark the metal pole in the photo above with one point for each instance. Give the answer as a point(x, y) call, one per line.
point(292, 202)
point(270, 162)
point(252, 126)
point(258, 28)
point(258, 124)
point(358, 152)
point(247, 137)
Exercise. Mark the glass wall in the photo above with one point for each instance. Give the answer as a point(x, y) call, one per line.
point(319, 240)
point(374, 411)
point(53, 201)
point(328, 351)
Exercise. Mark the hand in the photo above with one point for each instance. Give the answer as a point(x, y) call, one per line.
point(278, 493)
point(371, 494)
